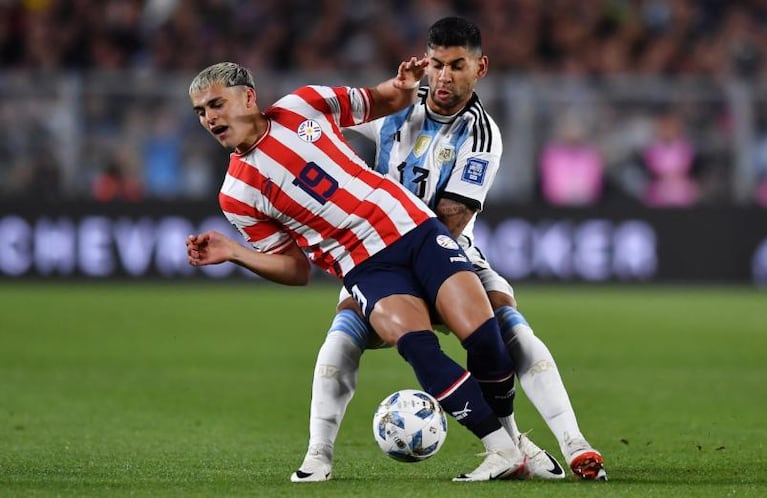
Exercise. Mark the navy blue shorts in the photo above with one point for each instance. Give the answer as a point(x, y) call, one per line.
point(417, 264)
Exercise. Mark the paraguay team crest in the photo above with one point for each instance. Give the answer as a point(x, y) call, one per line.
point(446, 242)
point(309, 131)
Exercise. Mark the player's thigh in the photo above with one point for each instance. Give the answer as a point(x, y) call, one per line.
point(391, 299)
point(395, 315)
point(463, 304)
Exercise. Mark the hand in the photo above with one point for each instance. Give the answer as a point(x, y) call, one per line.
point(209, 248)
point(410, 72)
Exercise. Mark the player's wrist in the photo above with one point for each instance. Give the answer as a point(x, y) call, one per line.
point(405, 83)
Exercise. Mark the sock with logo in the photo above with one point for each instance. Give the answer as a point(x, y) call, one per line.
point(335, 377)
point(489, 362)
point(455, 389)
point(538, 374)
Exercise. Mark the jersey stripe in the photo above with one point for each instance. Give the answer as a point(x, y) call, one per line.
point(341, 197)
point(337, 96)
point(282, 202)
point(264, 229)
point(447, 151)
point(481, 128)
point(312, 188)
point(368, 177)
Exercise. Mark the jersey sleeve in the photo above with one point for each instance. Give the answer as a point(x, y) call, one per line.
point(263, 233)
point(369, 129)
point(267, 236)
point(476, 165)
point(346, 106)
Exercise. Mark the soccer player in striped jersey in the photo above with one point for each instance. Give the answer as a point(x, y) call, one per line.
point(298, 193)
point(446, 149)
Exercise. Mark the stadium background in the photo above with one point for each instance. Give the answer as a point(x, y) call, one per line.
point(123, 372)
point(104, 168)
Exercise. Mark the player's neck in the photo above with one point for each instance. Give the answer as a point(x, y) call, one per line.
point(260, 127)
point(444, 113)
point(441, 114)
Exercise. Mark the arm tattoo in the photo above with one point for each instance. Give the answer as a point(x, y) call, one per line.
point(454, 215)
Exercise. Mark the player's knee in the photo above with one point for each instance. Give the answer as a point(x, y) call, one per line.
point(348, 322)
point(500, 299)
point(512, 323)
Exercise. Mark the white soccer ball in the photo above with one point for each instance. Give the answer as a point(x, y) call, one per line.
point(409, 425)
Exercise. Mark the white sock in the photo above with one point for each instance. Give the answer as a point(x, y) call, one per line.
point(500, 440)
point(510, 424)
point(335, 379)
point(540, 379)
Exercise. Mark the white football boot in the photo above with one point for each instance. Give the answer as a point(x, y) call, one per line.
point(540, 463)
point(316, 467)
point(498, 465)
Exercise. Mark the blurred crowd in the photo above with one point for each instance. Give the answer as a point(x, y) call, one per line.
point(712, 37)
point(583, 40)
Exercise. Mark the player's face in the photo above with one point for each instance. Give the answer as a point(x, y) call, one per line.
point(453, 73)
point(227, 113)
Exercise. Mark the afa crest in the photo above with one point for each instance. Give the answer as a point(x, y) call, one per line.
point(446, 154)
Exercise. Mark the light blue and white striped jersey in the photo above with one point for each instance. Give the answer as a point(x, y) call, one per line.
point(435, 156)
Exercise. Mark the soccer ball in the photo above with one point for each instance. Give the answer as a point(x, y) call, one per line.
point(409, 425)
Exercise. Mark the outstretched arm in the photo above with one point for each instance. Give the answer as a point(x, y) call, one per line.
point(399, 92)
point(290, 267)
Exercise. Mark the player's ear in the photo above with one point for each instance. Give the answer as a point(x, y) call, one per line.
point(252, 96)
point(482, 66)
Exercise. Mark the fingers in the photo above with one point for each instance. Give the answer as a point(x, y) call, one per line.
point(418, 64)
point(192, 250)
point(414, 65)
point(195, 245)
point(207, 248)
point(410, 72)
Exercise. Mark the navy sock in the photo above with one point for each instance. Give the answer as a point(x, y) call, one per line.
point(489, 361)
point(455, 389)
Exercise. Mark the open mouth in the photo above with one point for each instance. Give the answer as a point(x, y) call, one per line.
point(218, 130)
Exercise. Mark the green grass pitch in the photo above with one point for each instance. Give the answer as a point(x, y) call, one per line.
point(202, 389)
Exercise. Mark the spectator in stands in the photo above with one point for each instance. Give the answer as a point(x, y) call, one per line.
point(606, 39)
point(199, 175)
point(119, 181)
point(571, 168)
point(38, 175)
point(759, 160)
point(162, 156)
point(532, 36)
point(670, 164)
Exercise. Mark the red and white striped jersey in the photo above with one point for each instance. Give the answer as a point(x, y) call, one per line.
point(302, 181)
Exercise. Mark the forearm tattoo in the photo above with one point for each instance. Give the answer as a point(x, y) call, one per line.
point(454, 215)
